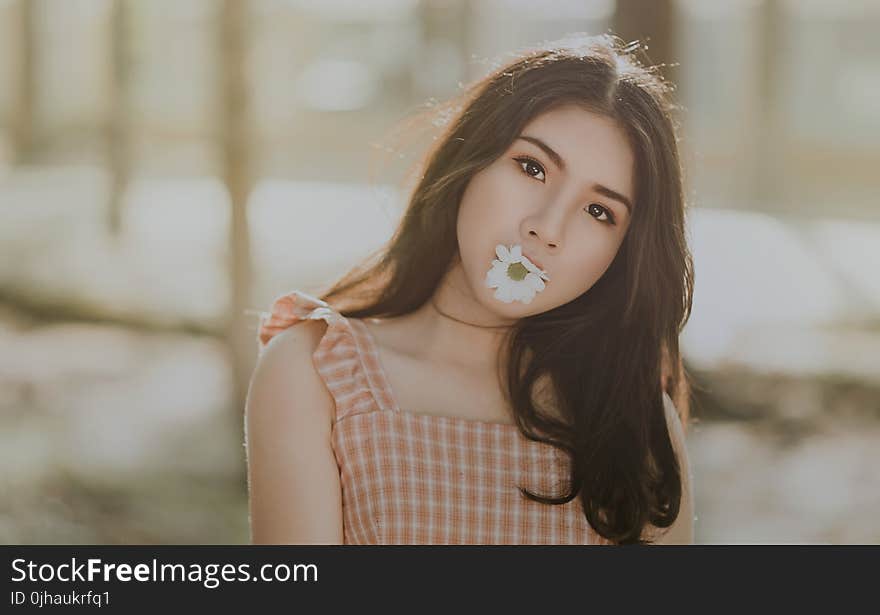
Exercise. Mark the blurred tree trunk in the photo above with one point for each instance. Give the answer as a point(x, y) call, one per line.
point(26, 94)
point(235, 132)
point(117, 122)
point(652, 22)
point(445, 24)
point(766, 167)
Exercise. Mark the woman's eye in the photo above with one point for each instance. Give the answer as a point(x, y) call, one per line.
point(597, 211)
point(531, 168)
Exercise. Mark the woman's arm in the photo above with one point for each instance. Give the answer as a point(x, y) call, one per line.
point(293, 479)
point(681, 532)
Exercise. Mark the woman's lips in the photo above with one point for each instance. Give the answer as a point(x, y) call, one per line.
point(534, 262)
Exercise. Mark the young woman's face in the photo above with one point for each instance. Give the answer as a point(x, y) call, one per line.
point(563, 192)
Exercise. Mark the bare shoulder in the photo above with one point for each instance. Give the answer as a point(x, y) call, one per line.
point(293, 481)
point(304, 336)
point(286, 373)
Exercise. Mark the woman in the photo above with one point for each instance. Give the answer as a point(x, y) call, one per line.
point(505, 372)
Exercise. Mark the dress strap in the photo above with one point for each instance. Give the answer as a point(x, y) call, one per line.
point(374, 366)
point(344, 358)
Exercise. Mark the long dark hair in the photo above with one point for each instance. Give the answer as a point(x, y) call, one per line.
point(610, 353)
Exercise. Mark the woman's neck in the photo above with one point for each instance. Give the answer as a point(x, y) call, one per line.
point(453, 329)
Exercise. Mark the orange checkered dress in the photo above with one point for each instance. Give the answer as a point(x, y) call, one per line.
point(410, 478)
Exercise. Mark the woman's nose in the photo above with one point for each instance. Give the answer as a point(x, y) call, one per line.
point(549, 244)
point(546, 226)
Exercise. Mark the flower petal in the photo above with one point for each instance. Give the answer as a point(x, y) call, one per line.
point(502, 252)
point(529, 264)
point(504, 293)
point(515, 292)
point(524, 293)
point(495, 277)
point(516, 253)
point(535, 282)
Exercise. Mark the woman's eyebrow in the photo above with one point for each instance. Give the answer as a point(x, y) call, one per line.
point(551, 153)
point(559, 162)
point(611, 194)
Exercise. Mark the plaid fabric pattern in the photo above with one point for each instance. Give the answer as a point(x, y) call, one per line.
point(410, 478)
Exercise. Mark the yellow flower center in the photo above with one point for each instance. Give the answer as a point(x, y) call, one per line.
point(517, 271)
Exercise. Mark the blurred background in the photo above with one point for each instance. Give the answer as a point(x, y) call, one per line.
point(167, 168)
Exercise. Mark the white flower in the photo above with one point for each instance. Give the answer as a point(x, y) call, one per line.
point(514, 275)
